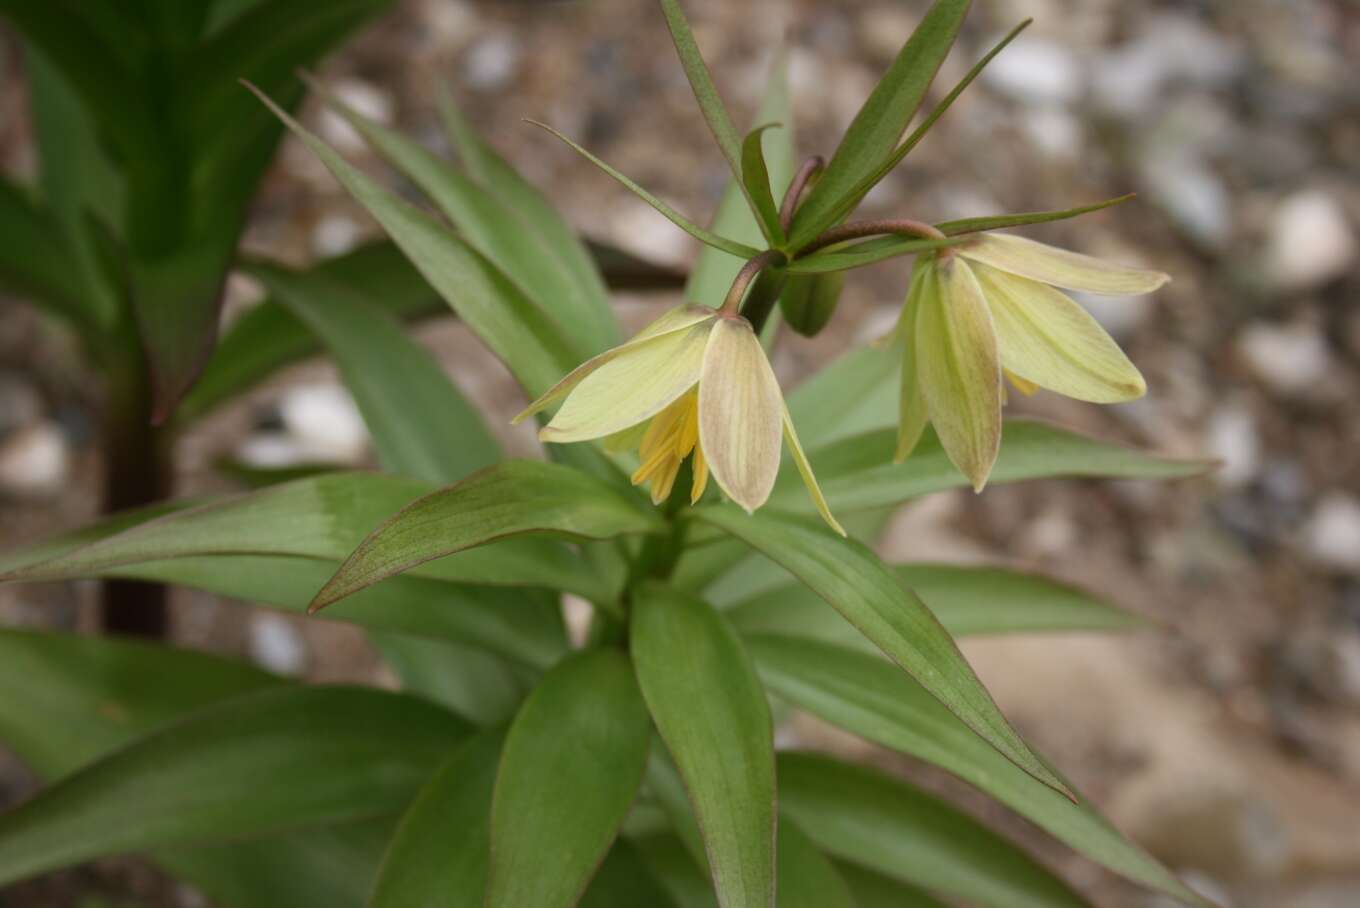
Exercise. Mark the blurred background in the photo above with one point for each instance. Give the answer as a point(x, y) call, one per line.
point(1227, 740)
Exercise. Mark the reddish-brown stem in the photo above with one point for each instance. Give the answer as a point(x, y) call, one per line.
point(861, 229)
point(732, 304)
point(809, 169)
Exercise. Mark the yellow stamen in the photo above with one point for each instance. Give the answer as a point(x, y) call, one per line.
point(670, 437)
point(700, 476)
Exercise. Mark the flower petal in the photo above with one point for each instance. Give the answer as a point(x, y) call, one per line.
point(1060, 267)
point(911, 406)
point(1046, 338)
point(805, 470)
point(740, 412)
point(636, 384)
point(676, 319)
point(959, 369)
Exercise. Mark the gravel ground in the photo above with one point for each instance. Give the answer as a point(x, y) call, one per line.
point(1228, 742)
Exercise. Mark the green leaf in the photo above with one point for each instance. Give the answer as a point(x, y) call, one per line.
point(874, 890)
point(711, 711)
point(869, 252)
point(517, 624)
point(523, 336)
point(422, 425)
point(714, 270)
point(851, 578)
point(35, 259)
point(863, 694)
point(325, 865)
point(625, 880)
point(572, 764)
point(891, 161)
point(705, 92)
point(858, 472)
point(809, 302)
point(438, 856)
point(704, 236)
point(1002, 221)
point(90, 696)
point(966, 599)
point(78, 180)
point(269, 337)
point(867, 818)
point(517, 194)
point(856, 392)
point(880, 122)
point(755, 177)
point(267, 761)
point(512, 498)
point(807, 878)
point(503, 235)
point(477, 684)
point(673, 867)
point(322, 518)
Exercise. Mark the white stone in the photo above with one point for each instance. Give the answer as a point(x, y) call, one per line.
point(20, 402)
point(35, 461)
point(1233, 438)
point(1289, 358)
point(335, 234)
point(274, 643)
point(1055, 132)
point(272, 451)
point(325, 421)
point(492, 62)
point(1193, 194)
point(1172, 47)
point(1332, 534)
point(1311, 241)
point(1036, 71)
point(368, 101)
point(639, 228)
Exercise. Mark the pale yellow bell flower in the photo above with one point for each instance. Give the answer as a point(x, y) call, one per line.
point(989, 309)
point(696, 382)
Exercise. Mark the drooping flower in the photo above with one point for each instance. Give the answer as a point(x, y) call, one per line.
point(988, 309)
point(695, 382)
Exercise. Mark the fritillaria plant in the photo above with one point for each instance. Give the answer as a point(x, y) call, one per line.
point(634, 763)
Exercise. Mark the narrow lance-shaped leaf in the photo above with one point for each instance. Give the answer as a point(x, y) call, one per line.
point(496, 174)
point(715, 115)
point(98, 694)
point(504, 235)
point(731, 247)
point(891, 161)
point(858, 472)
point(421, 424)
point(968, 599)
point(322, 518)
point(438, 855)
point(523, 336)
point(714, 270)
point(269, 337)
point(264, 762)
point(625, 880)
point(881, 121)
point(856, 583)
point(711, 711)
point(572, 764)
point(864, 695)
point(870, 819)
point(516, 497)
point(808, 878)
point(869, 252)
point(1002, 221)
point(756, 178)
